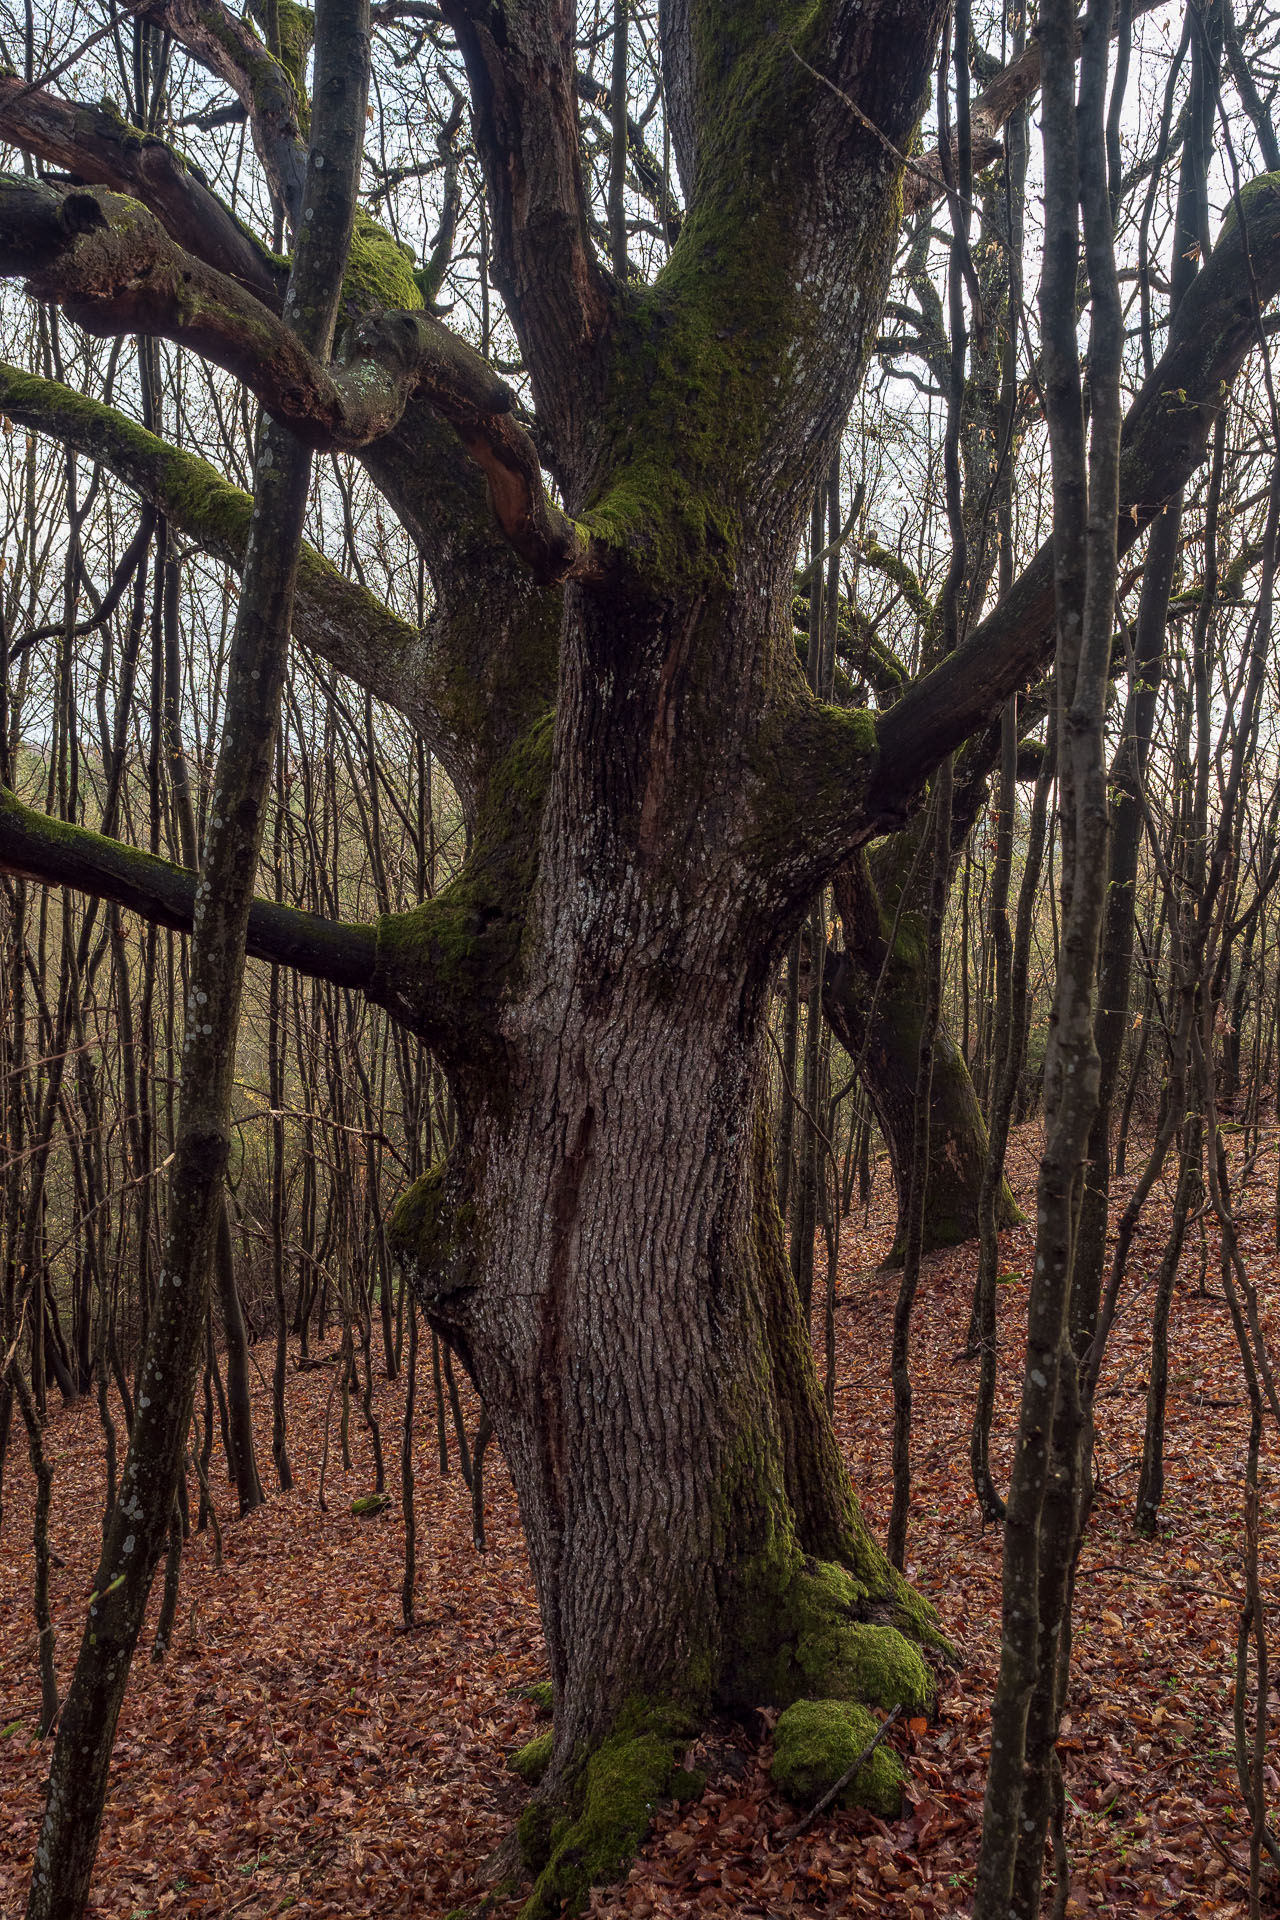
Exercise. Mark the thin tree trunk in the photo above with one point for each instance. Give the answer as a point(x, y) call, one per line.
point(135, 1537)
point(241, 1459)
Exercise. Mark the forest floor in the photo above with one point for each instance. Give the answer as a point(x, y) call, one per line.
point(298, 1752)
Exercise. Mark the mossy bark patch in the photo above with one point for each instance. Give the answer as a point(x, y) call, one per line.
point(813, 1631)
point(379, 270)
point(623, 1781)
point(817, 1741)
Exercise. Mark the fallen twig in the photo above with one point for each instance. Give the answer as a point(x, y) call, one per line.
point(833, 1793)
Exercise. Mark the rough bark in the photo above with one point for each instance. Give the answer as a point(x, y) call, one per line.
point(649, 1379)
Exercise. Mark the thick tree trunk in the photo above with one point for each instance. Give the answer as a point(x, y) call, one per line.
point(874, 997)
point(604, 1251)
point(620, 1291)
point(649, 1374)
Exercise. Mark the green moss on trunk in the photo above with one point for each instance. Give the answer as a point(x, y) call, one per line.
point(444, 967)
point(607, 1811)
point(807, 1628)
point(532, 1761)
point(379, 269)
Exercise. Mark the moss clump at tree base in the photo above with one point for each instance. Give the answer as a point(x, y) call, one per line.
point(588, 1842)
point(532, 1761)
point(817, 1741)
point(809, 1629)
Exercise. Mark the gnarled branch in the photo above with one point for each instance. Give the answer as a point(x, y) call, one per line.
point(421, 464)
point(990, 113)
point(227, 45)
point(100, 148)
point(112, 266)
point(519, 58)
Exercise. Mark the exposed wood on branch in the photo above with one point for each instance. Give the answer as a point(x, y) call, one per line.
point(113, 268)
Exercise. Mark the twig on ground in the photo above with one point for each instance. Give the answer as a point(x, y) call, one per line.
point(833, 1793)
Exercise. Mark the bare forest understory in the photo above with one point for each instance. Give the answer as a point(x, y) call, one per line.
point(297, 1751)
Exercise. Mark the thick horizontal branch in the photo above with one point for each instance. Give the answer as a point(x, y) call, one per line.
point(333, 616)
point(57, 854)
point(109, 262)
point(414, 353)
point(96, 146)
point(1165, 435)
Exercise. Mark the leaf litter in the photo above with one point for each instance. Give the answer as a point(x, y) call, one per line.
point(298, 1752)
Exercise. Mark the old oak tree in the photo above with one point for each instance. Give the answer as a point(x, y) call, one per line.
point(654, 792)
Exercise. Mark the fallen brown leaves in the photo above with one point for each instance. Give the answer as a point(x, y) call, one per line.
point(298, 1753)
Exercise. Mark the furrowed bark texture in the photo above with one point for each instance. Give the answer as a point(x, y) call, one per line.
point(603, 1248)
point(649, 1374)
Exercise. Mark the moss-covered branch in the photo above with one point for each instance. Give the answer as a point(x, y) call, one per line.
point(95, 145)
point(56, 853)
point(337, 619)
point(1165, 435)
point(110, 263)
point(728, 378)
point(422, 465)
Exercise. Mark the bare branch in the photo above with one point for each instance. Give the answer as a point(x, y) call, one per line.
point(519, 58)
point(1165, 434)
point(991, 112)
